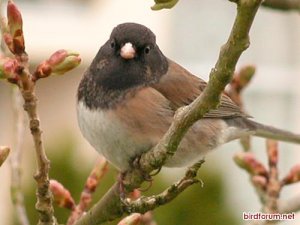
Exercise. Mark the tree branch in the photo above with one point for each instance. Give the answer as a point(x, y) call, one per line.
point(140, 207)
point(44, 197)
point(92, 182)
point(234, 90)
point(137, 218)
point(284, 5)
point(110, 207)
point(144, 204)
point(274, 186)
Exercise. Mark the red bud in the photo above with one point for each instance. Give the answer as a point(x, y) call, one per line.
point(247, 161)
point(59, 63)
point(293, 176)
point(15, 25)
point(259, 181)
point(8, 68)
point(96, 175)
point(272, 150)
point(61, 195)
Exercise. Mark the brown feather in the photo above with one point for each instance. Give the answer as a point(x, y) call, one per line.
point(147, 114)
point(181, 87)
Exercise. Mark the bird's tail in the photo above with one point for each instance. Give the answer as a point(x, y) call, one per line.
point(265, 131)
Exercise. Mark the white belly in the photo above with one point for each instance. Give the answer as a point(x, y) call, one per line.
point(107, 135)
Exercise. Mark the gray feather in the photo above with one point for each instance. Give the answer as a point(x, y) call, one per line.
point(265, 131)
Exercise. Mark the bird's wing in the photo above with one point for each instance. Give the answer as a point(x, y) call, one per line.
point(181, 87)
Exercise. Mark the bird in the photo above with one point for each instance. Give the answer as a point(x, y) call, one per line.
point(128, 96)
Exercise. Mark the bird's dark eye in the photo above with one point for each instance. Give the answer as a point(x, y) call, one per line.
point(112, 44)
point(147, 49)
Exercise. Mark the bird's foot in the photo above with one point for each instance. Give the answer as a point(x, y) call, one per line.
point(146, 176)
point(121, 186)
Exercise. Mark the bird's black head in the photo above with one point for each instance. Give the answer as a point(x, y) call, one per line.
point(129, 59)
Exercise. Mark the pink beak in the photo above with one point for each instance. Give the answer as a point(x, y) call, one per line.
point(127, 51)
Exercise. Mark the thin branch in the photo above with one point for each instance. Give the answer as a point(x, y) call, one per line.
point(285, 5)
point(44, 197)
point(274, 186)
point(234, 90)
point(110, 207)
point(239, 82)
point(15, 160)
point(145, 219)
point(92, 182)
point(144, 204)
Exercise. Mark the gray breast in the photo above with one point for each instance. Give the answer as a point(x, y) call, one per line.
point(106, 134)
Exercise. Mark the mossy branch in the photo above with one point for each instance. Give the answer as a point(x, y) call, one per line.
point(286, 5)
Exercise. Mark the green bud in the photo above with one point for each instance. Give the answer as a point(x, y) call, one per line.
point(4, 152)
point(164, 4)
point(59, 63)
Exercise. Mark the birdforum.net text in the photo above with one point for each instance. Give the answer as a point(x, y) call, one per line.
point(268, 216)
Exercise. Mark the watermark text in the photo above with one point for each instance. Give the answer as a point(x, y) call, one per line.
point(268, 216)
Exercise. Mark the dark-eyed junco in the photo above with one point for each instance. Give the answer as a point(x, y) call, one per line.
point(128, 96)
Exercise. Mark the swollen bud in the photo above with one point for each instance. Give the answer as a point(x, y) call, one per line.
point(247, 161)
point(61, 195)
point(15, 27)
point(99, 170)
point(4, 151)
point(8, 68)
point(260, 182)
point(293, 176)
point(272, 150)
point(59, 63)
point(245, 75)
point(62, 61)
point(133, 219)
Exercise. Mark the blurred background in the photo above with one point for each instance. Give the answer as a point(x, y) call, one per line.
point(191, 34)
